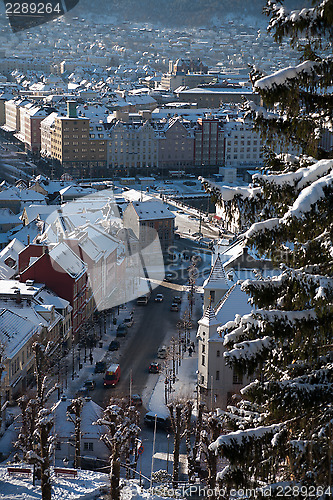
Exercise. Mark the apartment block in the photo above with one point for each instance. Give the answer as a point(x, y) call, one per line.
point(209, 142)
point(132, 144)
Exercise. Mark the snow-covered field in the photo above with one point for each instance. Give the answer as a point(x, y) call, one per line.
point(87, 485)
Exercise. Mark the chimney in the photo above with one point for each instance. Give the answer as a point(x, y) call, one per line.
point(17, 294)
point(28, 239)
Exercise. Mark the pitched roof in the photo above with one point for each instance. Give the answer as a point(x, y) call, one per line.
point(68, 260)
point(217, 278)
point(209, 318)
point(15, 332)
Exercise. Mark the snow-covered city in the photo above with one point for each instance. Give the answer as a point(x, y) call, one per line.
point(166, 277)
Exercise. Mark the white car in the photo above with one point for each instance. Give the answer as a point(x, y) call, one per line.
point(162, 352)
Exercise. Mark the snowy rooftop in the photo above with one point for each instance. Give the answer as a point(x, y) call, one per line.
point(151, 210)
point(15, 331)
point(91, 411)
point(68, 260)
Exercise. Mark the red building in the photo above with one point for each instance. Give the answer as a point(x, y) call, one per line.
point(63, 272)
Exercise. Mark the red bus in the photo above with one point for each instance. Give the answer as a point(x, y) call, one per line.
point(112, 376)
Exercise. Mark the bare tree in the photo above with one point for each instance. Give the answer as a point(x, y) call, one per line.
point(212, 428)
point(122, 430)
point(34, 440)
point(192, 448)
point(74, 412)
point(45, 442)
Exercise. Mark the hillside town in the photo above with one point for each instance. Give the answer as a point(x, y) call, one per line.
point(150, 254)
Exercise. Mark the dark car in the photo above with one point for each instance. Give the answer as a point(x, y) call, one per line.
point(174, 308)
point(136, 400)
point(177, 300)
point(162, 423)
point(90, 384)
point(114, 346)
point(100, 367)
point(121, 330)
point(154, 368)
point(159, 297)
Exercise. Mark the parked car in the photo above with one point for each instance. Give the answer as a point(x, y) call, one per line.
point(154, 368)
point(90, 384)
point(114, 346)
point(174, 308)
point(136, 400)
point(162, 423)
point(128, 321)
point(100, 367)
point(162, 352)
point(168, 277)
point(177, 300)
point(159, 297)
point(121, 330)
point(83, 391)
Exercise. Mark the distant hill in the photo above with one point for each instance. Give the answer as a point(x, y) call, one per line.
point(180, 12)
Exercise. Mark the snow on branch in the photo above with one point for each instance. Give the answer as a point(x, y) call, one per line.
point(261, 111)
point(286, 75)
point(300, 178)
point(240, 327)
point(243, 437)
point(281, 16)
point(248, 350)
point(308, 198)
point(266, 225)
point(228, 193)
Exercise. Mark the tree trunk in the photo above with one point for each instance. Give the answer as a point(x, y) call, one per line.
point(177, 438)
point(115, 474)
point(45, 462)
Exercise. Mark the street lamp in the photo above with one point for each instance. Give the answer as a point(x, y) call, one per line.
point(168, 438)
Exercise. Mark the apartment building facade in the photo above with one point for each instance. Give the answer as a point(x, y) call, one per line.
point(243, 145)
point(132, 144)
point(175, 143)
point(209, 142)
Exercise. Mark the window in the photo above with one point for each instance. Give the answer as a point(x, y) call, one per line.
point(212, 295)
point(203, 360)
point(88, 446)
point(237, 378)
point(58, 445)
point(217, 354)
point(217, 375)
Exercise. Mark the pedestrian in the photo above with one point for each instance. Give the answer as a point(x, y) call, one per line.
point(190, 351)
point(193, 346)
point(91, 357)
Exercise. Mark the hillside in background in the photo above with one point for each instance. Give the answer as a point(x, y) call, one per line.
point(179, 12)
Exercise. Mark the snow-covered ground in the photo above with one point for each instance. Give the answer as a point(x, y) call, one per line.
point(87, 485)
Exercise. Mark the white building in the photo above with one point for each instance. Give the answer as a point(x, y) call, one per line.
point(242, 144)
point(223, 299)
point(64, 431)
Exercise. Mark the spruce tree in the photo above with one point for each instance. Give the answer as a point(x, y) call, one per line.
point(280, 434)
